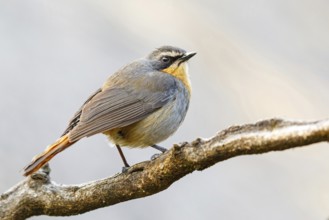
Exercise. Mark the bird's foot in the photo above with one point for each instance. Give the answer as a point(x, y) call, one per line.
point(162, 149)
point(137, 167)
point(125, 169)
point(155, 156)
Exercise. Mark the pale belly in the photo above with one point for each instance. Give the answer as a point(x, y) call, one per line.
point(153, 129)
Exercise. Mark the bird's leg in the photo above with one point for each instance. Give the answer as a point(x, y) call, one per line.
point(162, 149)
point(123, 158)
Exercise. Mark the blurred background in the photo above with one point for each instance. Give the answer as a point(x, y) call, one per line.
point(256, 60)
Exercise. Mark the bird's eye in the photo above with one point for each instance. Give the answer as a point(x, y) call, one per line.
point(165, 59)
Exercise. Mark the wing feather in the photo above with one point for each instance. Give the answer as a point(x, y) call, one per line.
point(119, 107)
point(76, 118)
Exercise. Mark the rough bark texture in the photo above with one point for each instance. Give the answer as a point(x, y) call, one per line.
point(38, 195)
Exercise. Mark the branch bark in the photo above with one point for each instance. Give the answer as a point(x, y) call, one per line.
point(38, 195)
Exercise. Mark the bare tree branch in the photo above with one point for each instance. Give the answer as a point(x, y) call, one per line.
point(38, 195)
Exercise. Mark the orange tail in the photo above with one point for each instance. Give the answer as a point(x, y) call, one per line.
point(40, 160)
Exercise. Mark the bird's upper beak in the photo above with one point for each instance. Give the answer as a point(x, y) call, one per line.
point(186, 57)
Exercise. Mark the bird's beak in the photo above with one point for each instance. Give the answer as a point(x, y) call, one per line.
point(186, 57)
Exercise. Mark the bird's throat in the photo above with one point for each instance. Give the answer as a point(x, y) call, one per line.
point(181, 73)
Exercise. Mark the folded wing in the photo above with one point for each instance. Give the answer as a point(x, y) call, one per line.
point(118, 107)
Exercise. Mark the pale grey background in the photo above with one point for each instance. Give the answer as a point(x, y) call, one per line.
point(256, 60)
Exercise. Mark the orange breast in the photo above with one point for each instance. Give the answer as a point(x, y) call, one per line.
point(181, 73)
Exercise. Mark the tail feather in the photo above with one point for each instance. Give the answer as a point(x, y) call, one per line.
point(41, 159)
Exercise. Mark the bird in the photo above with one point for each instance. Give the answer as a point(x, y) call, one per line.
point(140, 105)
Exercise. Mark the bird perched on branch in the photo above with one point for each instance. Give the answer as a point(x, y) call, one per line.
point(140, 105)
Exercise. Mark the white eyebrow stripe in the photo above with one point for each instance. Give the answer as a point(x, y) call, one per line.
point(169, 53)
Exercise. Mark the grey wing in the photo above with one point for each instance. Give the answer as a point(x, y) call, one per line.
point(76, 118)
point(118, 107)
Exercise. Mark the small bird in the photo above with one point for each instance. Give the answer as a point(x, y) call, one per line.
point(140, 105)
